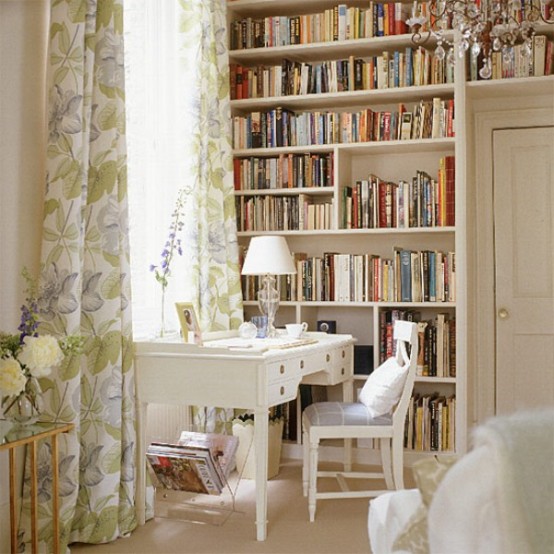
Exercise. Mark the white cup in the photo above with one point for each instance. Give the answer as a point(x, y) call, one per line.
point(296, 330)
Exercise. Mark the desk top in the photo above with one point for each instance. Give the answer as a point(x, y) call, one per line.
point(231, 345)
point(12, 435)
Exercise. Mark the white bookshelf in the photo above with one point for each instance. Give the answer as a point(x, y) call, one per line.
point(391, 160)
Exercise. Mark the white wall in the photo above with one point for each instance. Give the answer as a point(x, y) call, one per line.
point(23, 28)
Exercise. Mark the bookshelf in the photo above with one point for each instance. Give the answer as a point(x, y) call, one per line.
point(351, 154)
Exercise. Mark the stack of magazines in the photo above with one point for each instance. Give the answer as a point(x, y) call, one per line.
point(198, 462)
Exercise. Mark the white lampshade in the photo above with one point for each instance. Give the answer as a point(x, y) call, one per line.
point(268, 255)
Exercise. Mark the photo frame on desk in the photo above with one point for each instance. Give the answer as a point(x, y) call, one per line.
point(189, 322)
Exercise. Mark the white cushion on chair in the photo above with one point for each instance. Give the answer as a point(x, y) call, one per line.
point(342, 413)
point(383, 387)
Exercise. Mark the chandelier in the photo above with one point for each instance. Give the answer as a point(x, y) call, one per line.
point(485, 26)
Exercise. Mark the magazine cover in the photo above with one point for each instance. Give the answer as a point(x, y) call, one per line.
point(181, 470)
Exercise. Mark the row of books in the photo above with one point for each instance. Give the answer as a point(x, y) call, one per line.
point(338, 23)
point(283, 213)
point(410, 67)
point(518, 61)
point(198, 462)
point(374, 203)
point(410, 276)
point(281, 127)
point(431, 423)
point(283, 171)
point(437, 341)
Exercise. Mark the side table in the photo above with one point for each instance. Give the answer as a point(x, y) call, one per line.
point(12, 436)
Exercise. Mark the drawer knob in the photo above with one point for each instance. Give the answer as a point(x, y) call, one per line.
point(342, 372)
point(328, 357)
point(282, 369)
point(343, 354)
point(301, 364)
point(282, 390)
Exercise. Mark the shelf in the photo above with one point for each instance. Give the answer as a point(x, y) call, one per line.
point(316, 51)
point(480, 90)
point(327, 303)
point(312, 191)
point(391, 146)
point(351, 232)
point(345, 99)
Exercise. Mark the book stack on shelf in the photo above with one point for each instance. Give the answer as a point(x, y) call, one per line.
point(515, 62)
point(430, 423)
point(198, 463)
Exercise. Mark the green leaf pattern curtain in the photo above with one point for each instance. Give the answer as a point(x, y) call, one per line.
point(85, 280)
point(212, 230)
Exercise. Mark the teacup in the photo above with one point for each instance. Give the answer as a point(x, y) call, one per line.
point(296, 330)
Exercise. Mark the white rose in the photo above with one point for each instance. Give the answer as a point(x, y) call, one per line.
point(39, 354)
point(12, 378)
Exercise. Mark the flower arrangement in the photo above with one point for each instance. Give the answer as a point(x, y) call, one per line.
point(27, 356)
point(172, 247)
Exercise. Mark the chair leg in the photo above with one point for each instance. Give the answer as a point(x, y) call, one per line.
point(384, 445)
point(312, 477)
point(398, 461)
point(305, 462)
point(347, 463)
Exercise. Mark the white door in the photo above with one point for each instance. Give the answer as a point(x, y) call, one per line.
point(524, 266)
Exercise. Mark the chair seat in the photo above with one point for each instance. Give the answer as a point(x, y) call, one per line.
point(343, 413)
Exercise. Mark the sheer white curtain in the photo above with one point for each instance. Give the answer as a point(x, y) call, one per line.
point(157, 104)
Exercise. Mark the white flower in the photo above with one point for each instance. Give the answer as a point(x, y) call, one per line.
point(12, 378)
point(39, 354)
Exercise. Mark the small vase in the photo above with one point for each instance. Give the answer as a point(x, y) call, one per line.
point(26, 407)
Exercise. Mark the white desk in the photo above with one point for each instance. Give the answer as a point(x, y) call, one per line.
point(186, 374)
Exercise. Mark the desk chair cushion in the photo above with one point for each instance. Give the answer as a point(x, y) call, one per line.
point(381, 392)
point(343, 413)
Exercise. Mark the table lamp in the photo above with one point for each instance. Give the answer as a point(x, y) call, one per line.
point(268, 256)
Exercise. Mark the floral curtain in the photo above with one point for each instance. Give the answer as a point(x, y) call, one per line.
point(84, 284)
point(212, 229)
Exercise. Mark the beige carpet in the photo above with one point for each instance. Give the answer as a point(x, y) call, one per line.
point(340, 525)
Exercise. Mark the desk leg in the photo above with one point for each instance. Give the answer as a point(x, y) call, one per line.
point(13, 506)
point(261, 432)
point(140, 495)
point(34, 503)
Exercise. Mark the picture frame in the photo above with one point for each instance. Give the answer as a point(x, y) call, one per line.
point(189, 323)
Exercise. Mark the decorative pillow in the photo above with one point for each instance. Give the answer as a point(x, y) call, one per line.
point(414, 538)
point(383, 387)
point(428, 474)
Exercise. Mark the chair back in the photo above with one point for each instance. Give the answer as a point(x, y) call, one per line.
point(405, 333)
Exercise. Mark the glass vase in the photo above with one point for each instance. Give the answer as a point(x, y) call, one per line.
point(26, 407)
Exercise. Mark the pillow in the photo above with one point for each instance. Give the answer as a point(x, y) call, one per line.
point(428, 474)
point(383, 387)
point(414, 537)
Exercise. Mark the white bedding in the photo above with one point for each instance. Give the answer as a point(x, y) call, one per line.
point(388, 515)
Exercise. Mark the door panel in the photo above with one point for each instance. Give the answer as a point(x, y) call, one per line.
point(524, 267)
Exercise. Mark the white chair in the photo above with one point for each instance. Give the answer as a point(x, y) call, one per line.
point(380, 414)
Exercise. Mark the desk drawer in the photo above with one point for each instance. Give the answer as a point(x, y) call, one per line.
point(282, 391)
point(336, 368)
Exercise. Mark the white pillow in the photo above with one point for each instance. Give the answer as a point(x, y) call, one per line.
point(383, 387)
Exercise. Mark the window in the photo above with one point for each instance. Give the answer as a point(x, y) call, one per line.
point(156, 105)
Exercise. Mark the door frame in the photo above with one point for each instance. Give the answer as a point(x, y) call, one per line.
point(482, 311)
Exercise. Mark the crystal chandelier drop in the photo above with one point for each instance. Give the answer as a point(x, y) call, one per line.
point(485, 26)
